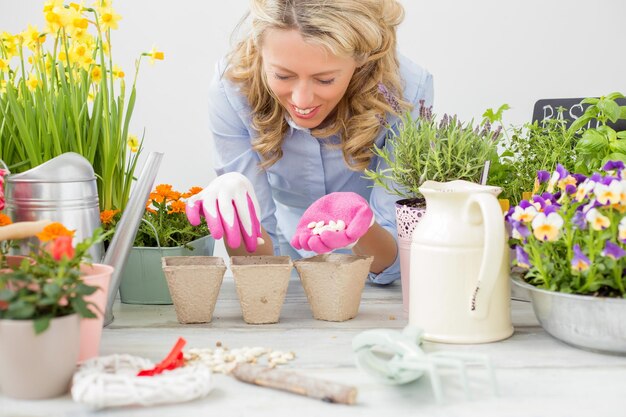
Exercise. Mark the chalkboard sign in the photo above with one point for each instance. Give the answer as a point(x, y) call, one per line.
point(548, 109)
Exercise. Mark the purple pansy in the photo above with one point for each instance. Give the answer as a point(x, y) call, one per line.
point(580, 178)
point(543, 176)
point(580, 262)
point(522, 257)
point(570, 189)
point(596, 177)
point(562, 171)
point(551, 208)
point(611, 250)
point(520, 230)
point(579, 219)
point(613, 165)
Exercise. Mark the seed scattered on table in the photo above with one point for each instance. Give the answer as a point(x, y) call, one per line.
point(223, 360)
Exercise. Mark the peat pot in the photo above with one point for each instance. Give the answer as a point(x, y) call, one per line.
point(333, 284)
point(261, 283)
point(194, 283)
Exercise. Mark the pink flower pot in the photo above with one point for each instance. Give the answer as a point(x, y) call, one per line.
point(97, 275)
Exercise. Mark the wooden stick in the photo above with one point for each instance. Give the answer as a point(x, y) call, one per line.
point(21, 230)
point(329, 391)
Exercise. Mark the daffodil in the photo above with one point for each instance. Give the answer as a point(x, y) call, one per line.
point(108, 18)
point(96, 74)
point(33, 38)
point(133, 143)
point(118, 72)
point(155, 55)
point(8, 44)
point(33, 82)
point(4, 65)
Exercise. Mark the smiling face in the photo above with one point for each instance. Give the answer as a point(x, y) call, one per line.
point(308, 80)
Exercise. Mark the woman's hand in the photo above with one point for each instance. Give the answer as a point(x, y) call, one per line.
point(334, 221)
point(231, 209)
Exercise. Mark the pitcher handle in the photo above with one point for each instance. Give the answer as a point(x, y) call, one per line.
point(491, 217)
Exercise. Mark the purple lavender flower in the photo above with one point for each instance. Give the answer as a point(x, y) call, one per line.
point(543, 176)
point(613, 251)
point(390, 98)
point(426, 113)
point(580, 262)
point(613, 165)
point(522, 257)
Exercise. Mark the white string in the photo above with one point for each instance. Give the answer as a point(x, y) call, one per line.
point(111, 381)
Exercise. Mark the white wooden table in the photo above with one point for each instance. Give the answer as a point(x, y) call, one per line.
point(537, 375)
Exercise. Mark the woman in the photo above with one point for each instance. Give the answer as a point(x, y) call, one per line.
point(295, 111)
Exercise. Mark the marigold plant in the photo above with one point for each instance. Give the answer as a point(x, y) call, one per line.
point(571, 236)
point(60, 91)
point(164, 223)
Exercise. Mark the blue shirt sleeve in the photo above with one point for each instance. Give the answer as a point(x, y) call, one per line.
point(229, 123)
point(419, 87)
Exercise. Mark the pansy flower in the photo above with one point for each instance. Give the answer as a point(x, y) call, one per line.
point(524, 214)
point(584, 189)
point(522, 257)
point(611, 166)
point(613, 251)
point(520, 230)
point(547, 227)
point(580, 262)
point(608, 194)
point(622, 230)
point(597, 220)
point(560, 174)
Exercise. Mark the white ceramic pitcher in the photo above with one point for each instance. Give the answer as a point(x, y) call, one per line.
point(460, 286)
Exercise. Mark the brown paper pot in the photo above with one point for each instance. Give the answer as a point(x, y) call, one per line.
point(194, 283)
point(333, 283)
point(261, 283)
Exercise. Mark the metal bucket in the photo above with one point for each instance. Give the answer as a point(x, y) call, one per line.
point(63, 190)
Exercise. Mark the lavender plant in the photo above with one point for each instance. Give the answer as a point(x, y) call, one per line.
point(425, 148)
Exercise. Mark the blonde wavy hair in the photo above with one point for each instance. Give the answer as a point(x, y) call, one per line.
point(362, 29)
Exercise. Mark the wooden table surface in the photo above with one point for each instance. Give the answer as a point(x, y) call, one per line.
point(537, 375)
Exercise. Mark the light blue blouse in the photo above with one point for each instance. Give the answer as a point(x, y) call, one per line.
point(308, 170)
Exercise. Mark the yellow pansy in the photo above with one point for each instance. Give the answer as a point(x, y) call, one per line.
point(109, 18)
point(133, 143)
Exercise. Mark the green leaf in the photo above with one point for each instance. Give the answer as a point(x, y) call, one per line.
point(615, 156)
point(615, 95)
point(41, 324)
point(592, 142)
point(622, 112)
point(610, 109)
point(618, 146)
point(579, 123)
point(590, 100)
point(621, 135)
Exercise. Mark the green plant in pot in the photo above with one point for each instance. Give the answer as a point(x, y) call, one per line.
point(570, 242)
point(600, 144)
point(164, 231)
point(41, 304)
point(429, 149)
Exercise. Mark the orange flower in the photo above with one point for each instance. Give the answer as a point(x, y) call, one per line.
point(54, 230)
point(5, 220)
point(192, 191)
point(106, 216)
point(156, 197)
point(173, 195)
point(151, 210)
point(163, 189)
point(176, 207)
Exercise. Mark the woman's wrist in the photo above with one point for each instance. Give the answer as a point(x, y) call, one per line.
point(380, 244)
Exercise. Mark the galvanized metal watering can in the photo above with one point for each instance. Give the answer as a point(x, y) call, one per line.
point(64, 189)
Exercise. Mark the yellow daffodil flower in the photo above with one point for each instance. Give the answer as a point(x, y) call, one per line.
point(133, 143)
point(4, 65)
point(9, 43)
point(33, 38)
point(154, 55)
point(117, 72)
point(109, 18)
point(33, 82)
point(96, 74)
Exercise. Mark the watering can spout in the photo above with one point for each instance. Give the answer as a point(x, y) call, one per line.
point(122, 241)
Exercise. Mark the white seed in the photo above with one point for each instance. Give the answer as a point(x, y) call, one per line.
point(280, 360)
point(341, 225)
point(289, 356)
point(320, 223)
point(276, 354)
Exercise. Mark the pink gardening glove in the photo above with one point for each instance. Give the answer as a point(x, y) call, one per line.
point(334, 221)
point(230, 207)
